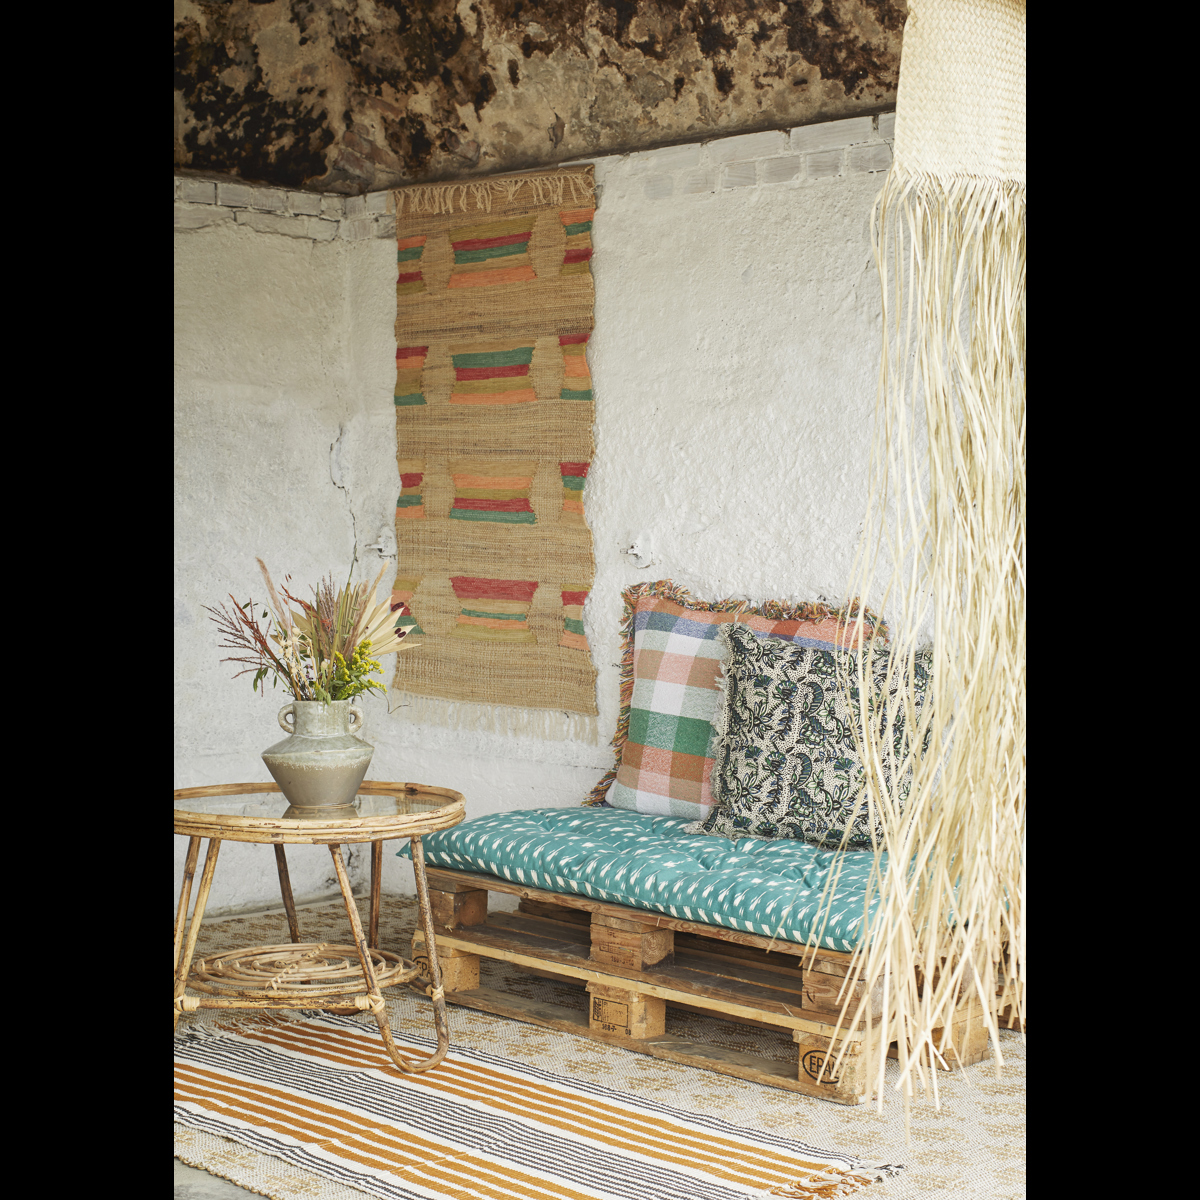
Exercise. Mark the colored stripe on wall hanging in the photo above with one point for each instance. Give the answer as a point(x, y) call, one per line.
point(495, 454)
point(577, 378)
point(402, 593)
point(410, 506)
point(574, 475)
point(493, 253)
point(410, 361)
point(496, 373)
point(408, 256)
point(494, 610)
point(482, 495)
point(577, 225)
point(573, 600)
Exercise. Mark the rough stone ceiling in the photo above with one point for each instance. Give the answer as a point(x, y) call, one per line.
point(359, 95)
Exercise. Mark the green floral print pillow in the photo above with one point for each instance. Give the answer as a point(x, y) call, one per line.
point(785, 764)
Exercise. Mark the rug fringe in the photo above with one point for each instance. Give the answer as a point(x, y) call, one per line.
point(216, 1023)
point(549, 724)
point(828, 1185)
point(546, 187)
point(182, 1150)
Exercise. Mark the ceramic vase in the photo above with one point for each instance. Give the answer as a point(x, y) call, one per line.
point(322, 760)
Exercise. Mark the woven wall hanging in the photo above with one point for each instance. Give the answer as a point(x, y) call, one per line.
point(494, 418)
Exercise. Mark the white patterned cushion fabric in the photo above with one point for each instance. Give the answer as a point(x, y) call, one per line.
point(772, 888)
point(786, 760)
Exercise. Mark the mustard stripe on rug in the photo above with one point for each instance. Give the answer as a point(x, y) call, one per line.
point(320, 1093)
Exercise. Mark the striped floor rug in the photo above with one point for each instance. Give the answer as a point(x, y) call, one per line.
point(318, 1091)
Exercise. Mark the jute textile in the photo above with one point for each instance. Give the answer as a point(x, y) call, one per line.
point(494, 412)
point(323, 1094)
point(972, 1149)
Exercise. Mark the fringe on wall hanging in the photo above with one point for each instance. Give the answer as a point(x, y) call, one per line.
point(944, 549)
point(557, 186)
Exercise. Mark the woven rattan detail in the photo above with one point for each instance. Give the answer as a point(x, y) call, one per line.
point(293, 971)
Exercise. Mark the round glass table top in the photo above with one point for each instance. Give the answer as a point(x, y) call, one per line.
point(236, 810)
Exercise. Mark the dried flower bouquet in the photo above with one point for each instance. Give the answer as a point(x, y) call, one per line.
point(326, 649)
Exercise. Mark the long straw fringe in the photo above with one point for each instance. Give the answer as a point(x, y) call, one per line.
point(501, 719)
point(947, 532)
point(478, 194)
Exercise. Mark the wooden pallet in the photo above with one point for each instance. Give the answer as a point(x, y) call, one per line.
point(634, 964)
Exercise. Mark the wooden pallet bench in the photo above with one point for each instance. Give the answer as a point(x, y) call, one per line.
point(634, 964)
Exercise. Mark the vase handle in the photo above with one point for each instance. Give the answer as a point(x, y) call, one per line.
point(356, 719)
point(288, 710)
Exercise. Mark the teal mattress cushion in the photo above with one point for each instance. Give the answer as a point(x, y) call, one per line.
point(771, 888)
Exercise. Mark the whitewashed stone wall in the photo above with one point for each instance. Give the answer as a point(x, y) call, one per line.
point(734, 364)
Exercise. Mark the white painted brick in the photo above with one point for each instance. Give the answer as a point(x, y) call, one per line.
point(887, 126)
point(377, 202)
point(356, 206)
point(833, 135)
point(869, 158)
point(333, 206)
point(779, 170)
point(308, 203)
point(235, 195)
point(698, 181)
point(354, 231)
point(268, 200)
point(659, 187)
point(196, 191)
point(322, 231)
point(738, 174)
point(198, 218)
point(748, 145)
point(821, 166)
point(385, 226)
point(675, 158)
point(296, 227)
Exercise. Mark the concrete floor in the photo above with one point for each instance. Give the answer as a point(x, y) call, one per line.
point(193, 1184)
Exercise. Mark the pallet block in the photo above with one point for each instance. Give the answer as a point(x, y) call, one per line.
point(625, 1012)
point(460, 968)
point(634, 964)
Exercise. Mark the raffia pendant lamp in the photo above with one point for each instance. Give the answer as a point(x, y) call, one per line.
point(944, 549)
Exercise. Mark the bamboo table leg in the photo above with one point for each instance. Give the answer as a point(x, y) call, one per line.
point(184, 965)
point(373, 993)
point(376, 883)
point(185, 895)
point(285, 890)
point(437, 992)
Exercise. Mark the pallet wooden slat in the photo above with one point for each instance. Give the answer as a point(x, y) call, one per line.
point(633, 964)
point(453, 881)
point(719, 1059)
point(791, 990)
point(555, 912)
point(719, 1001)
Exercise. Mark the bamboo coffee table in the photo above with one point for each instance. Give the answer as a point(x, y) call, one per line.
point(343, 979)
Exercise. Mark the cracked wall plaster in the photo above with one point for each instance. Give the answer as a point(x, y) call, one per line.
point(361, 95)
